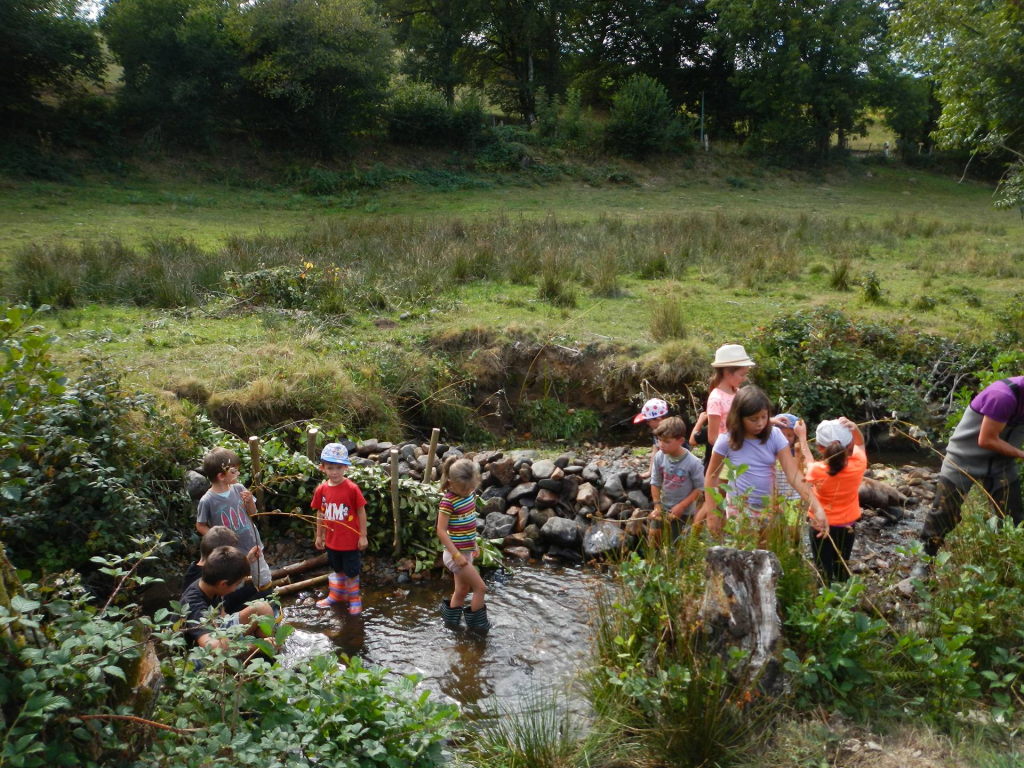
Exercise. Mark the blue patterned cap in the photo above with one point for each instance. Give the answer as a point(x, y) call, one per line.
point(791, 420)
point(335, 453)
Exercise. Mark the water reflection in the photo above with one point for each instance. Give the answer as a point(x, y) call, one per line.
point(539, 635)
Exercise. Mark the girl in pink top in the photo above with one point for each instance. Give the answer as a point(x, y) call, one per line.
point(731, 366)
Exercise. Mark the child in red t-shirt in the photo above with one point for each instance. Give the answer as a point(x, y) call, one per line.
point(340, 527)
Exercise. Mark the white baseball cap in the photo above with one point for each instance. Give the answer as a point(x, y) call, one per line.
point(732, 356)
point(653, 409)
point(832, 431)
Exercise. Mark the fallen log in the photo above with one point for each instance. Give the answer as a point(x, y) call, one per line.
point(305, 565)
point(298, 586)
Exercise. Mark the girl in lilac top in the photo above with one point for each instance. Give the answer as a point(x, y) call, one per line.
point(753, 441)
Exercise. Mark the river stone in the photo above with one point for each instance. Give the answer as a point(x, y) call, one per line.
point(632, 481)
point(517, 553)
point(525, 475)
point(359, 461)
point(441, 450)
point(496, 492)
point(566, 554)
point(486, 457)
point(520, 492)
point(539, 517)
point(645, 486)
point(367, 447)
point(560, 532)
point(572, 469)
point(384, 447)
point(479, 525)
point(528, 455)
point(542, 469)
point(619, 511)
point(606, 503)
point(408, 452)
point(546, 498)
point(558, 474)
point(532, 532)
point(403, 468)
point(563, 461)
point(522, 518)
point(487, 480)
point(453, 453)
point(520, 540)
point(613, 484)
point(602, 538)
point(498, 525)
point(550, 485)
point(639, 500)
point(503, 471)
point(587, 495)
point(196, 485)
point(496, 504)
point(635, 526)
point(591, 474)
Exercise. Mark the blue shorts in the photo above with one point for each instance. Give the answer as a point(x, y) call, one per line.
point(346, 561)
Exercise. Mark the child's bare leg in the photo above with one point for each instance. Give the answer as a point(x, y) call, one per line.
point(250, 612)
point(471, 578)
point(461, 590)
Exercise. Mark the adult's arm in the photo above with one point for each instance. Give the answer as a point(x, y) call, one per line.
point(989, 439)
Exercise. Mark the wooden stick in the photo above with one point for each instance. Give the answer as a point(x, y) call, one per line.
point(295, 568)
point(311, 438)
point(298, 586)
point(435, 435)
point(141, 721)
point(395, 510)
point(257, 477)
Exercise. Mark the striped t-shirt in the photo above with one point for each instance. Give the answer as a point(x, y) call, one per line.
point(461, 511)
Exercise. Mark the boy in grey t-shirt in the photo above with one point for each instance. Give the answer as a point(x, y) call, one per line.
point(678, 476)
point(229, 503)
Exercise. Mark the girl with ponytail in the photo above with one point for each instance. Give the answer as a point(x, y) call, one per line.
point(836, 479)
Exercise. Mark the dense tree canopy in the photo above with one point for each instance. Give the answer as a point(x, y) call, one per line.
point(975, 50)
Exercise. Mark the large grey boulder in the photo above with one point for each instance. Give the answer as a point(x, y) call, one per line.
point(543, 469)
point(498, 525)
point(613, 486)
point(196, 485)
point(560, 532)
point(603, 538)
point(520, 492)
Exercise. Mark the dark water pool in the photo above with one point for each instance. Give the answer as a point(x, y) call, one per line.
point(540, 635)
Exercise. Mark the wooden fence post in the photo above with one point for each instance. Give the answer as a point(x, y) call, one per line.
point(435, 435)
point(395, 509)
point(257, 478)
point(311, 448)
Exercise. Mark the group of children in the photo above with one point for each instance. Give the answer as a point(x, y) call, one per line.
point(742, 430)
point(232, 575)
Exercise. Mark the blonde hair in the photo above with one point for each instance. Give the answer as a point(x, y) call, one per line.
point(461, 472)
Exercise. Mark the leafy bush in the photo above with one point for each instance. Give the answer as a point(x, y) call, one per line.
point(71, 670)
point(417, 113)
point(642, 120)
point(549, 419)
point(872, 288)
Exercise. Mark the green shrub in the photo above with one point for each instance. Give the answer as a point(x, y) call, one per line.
point(872, 288)
point(549, 419)
point(417, 113)
point(642, 120)
point(840, 277)
point(668, 319)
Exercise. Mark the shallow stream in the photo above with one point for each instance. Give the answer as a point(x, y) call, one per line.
point(539, 638)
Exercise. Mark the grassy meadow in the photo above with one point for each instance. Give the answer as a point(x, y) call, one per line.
point(365, 306)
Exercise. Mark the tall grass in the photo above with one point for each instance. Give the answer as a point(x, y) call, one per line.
point(539, 732)
point(399, 261)
point(668, 319)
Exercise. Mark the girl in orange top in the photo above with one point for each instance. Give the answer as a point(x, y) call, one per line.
point(836, 480)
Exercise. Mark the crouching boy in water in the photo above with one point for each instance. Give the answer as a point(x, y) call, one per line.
point(224, 571)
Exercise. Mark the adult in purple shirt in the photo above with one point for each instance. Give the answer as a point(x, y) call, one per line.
point(984, 451)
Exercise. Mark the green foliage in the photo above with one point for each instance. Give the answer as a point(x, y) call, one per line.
point(418, 114)
point(46, 48)
point(71, 667)
point(981, 85)
point(872, 288)
point(822, 363)
point(541, 732)
point(549, 419)
point(668, 319)
point(642, 120)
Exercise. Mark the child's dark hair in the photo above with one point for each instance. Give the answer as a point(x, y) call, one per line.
point(672, 427)
point(225, 564)
point(218, 460)
point(463, 472)
point(217, 536)
point(749, 401)
point(836, 456)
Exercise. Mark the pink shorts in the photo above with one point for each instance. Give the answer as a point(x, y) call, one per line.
point(449, 561)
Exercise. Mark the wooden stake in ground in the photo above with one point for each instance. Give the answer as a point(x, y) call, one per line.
point(396, 512)
point(257, 478)
point(435, 435)
point(296, 568)
point(311, 449)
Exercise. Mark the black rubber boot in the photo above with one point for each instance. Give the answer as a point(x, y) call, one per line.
point(452, 616)
point(476, 621)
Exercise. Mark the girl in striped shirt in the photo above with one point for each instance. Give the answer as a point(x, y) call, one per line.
point(456, 528)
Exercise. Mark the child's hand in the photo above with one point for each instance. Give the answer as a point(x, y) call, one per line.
point(847, 423)
point(801, 429)
point(460, 560)
point(254, 554)
point(363, 543)
point(656, 512)
point(645, 475)
point(319, 543)
point(246, 495)
point(820, 523)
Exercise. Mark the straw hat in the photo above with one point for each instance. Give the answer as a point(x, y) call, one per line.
point(732, 356)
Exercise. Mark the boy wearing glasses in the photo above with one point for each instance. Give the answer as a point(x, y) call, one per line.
point(230, 504)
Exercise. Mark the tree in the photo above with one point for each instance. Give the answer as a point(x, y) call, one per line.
point(320, 68)
point(642, 118)
point(804, 67)
point(975, 50)
point(911, 110)
point(180, 65)
point(45, 47)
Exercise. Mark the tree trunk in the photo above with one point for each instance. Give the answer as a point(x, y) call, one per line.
point(740, 610)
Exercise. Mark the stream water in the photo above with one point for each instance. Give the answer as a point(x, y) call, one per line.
point(539, 638)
